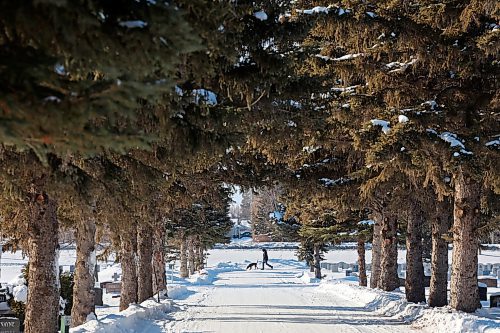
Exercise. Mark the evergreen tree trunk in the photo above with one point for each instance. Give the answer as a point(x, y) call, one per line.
point(389, 279)
point(183, 271)
point(145, 258)
point(159, 271)
point(362, 263)
point(191, 257)
point(464, 289)
point(196, 255)
point(376, 251)
point(414, 283)
point(438, 294)
point(42, 307)
point(201, 258)
point(83, 289)
point(317, 262)
point(128, 259)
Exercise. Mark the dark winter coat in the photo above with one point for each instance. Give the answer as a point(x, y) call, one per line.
point(264, 255)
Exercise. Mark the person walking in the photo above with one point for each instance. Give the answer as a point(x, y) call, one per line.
point(265, 258)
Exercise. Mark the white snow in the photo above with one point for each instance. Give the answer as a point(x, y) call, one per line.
point(493, 143)
point(342, 58)
point(382, 123)
point(452, 139)
point(433, 104)
point(315, 10)
point(399, 67)
point(204, 96)
point(20, 293)
point(135, 319)
point(310, 149)
point(226, 298)
point(403, 119)
point(133, 24)
point(260, 15)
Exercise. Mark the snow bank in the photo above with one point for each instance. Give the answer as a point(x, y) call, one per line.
point(134, 319)
point(20, 293)
point(394, 305)
point(176, 291)
point(306, 277)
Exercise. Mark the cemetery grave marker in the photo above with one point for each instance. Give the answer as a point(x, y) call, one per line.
point(9, 325)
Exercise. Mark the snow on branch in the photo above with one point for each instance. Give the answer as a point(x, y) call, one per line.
point(260, 15)
point(344, 57)
point(382, 123)
point(332, 182)
point(400, 67)
point(133, 24)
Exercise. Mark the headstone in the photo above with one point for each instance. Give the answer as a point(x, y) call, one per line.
point(355, 268)
point(489, 282)
point(72, 268)
point(97, 268)
point(3, 298)
point(335, 268)
point(369, 267)
point(115, 277)
point(348, 272)
point(343, 265)
point(498, 274)
point(114, 287)
point(427, 269)
point(9, 325)
point(427, 280)
point(104, 284)
point(495, 300)
point(65, 324)
point(483, 291)
point(98, 297)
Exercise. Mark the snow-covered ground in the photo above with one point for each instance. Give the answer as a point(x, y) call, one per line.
point(227, 298)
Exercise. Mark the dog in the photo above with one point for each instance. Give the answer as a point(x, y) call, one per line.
point(252, 265)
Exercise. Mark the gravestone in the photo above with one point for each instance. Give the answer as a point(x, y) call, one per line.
point(348, 272)
point(65, 324)
point(9, 325)
point(489, 282)
point(355, 268)
point(495, 300)
point(335, 268)
point(427, 269)
point(483, 291)
point(343, 265)
point(114, 287)
point(104, 284)
point(115, 277)
point(498, 274)
point(98, 297)
point(427, 280)
point(3, 298)
point(72, 268)
point(369, 267)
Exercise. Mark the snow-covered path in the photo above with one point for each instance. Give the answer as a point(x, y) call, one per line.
point(274, 301)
